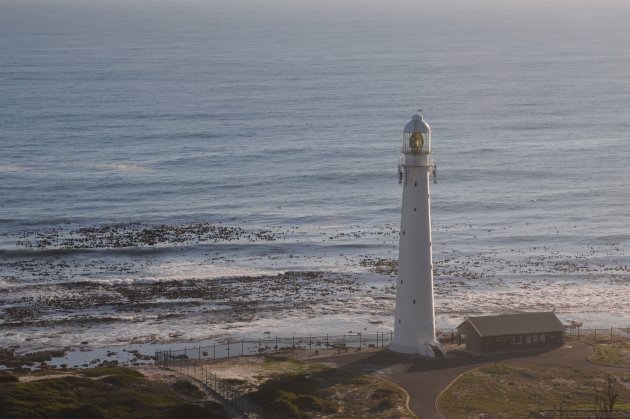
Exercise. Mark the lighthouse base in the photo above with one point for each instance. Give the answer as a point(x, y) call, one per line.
point(425, 350)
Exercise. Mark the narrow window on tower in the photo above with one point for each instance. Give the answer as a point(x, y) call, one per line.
point(415, 209)
point(414, 301)
point(399, 320)
point(401, 281)
point(415, 184)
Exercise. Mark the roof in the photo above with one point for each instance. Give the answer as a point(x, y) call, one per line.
point(417, 124)
point(515, 324)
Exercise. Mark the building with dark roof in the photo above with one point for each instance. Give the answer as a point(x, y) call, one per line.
point(512, 332)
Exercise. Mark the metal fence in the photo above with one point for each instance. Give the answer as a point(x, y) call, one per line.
point(231, 394)
point(590, 414)
point(245, 347)
point(598, 334)
point(190, 361)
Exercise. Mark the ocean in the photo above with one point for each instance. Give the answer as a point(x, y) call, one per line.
point(183, 171)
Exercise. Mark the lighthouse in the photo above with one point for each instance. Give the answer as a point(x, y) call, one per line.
point(414, 327)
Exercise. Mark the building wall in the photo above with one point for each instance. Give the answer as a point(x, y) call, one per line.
point(511, 343)
point(415, 319)
point(473, 340)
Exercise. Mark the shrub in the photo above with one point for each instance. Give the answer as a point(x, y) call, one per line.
point(283, 408)
point(188, 389)
point(82, 412)
point(8, 378)
point(315, 404)
point(194, 411)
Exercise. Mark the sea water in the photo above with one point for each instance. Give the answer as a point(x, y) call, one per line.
point(131, 132)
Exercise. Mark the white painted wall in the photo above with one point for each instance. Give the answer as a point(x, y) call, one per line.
point(414, 328)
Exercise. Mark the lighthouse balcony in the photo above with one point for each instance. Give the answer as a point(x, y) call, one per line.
point(417, 160)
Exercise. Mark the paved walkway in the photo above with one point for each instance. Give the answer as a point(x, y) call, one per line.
point(425, 379)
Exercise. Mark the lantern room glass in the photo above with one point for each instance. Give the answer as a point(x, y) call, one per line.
point(416, 142)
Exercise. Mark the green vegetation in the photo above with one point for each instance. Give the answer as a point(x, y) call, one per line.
point(101, 393)
point(615, 354)
point(295, 394)
point(325, 391)
point(508, 391)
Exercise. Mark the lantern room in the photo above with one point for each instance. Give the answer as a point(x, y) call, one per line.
point(417, 136)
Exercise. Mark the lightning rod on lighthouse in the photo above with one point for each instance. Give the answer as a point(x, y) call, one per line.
point(414, 327)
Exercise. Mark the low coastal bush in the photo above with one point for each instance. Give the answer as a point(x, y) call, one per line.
point(292, 395)
point(8, 378)
point(188, 389)
point(195, 411)
point(99, 393)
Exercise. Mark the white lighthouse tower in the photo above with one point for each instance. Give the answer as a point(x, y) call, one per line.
point(414, 328)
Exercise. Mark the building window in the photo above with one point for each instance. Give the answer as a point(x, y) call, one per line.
point(401, 281)
point(399, 320)
point(519, 340)
point(535, 338)
point(415, 184)
point(528, 339)
point(415, 209)
point(414, 301)
point(542, 337)
point(403, 232)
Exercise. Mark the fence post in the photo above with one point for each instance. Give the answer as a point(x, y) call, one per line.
point(595, 338)
point(228, 348)
point(199, 355)
point(360, 341)
point(277, 343)
point(326, 339)
point(611, 335)
point(259, 351)
point(309, 342)
point(242, 348)
point(292, 342)
point(578, 333)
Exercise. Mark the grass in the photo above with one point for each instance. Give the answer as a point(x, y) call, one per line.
point(616, 354)
point(504, 391)
point(100, 393)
